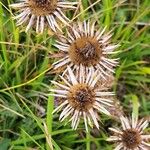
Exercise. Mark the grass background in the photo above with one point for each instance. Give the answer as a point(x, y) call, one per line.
point(25, 109)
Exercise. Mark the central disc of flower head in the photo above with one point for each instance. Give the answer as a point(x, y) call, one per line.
point(131, 138)
point(85, 51)
point(42, 7)
point(81, 97)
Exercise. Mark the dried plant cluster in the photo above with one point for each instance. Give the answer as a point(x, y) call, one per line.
point(42, 13)
point(86, 69)
point(131, 137)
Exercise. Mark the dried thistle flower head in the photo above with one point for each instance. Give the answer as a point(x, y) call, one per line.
point(84, 45)
point(82, 98)
point(41, 12)
point(132, 136)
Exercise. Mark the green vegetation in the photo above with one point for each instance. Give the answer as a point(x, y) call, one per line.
point(26, 120)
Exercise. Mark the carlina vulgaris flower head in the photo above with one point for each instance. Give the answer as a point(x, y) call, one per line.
point(86, 46)
point(81, 98)
point(40, 13)
point(132, 136)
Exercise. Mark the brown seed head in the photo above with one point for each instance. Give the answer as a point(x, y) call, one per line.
point(131, 138)
point(85, 51)
point(81, 97)
point(42, 7)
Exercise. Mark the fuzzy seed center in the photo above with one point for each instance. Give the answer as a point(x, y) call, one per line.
point(42, 7)
point(85, 51)
point(131, 138)
point(81, 97)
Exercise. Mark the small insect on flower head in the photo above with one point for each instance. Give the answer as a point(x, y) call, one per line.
point(84, 45)
point(41, 12)
point(82, 98)
point(132, 136)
